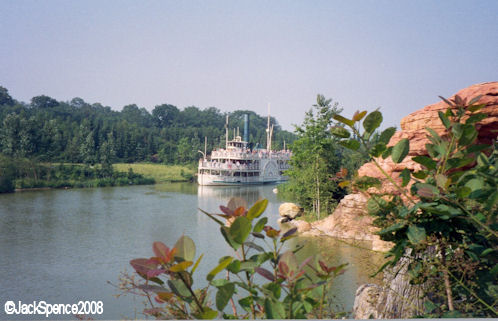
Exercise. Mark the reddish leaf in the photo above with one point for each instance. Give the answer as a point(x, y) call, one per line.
point(239, 211)
point(324, 266)
point(155, 272)
point(305, 262)
point(143, 265)
point(290, 232)
point(226, 210)
point(264, 272)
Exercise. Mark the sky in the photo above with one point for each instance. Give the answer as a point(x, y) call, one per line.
point(396, 55)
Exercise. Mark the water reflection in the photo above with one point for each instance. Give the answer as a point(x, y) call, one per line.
point(63, 246)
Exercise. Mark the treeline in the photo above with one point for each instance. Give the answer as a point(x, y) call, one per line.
point(48, 130)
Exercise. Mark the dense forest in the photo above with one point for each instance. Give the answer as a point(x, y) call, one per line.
point(47, 130)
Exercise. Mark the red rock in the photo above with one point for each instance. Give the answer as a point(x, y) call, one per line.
point(350, 220)
point(413, 127)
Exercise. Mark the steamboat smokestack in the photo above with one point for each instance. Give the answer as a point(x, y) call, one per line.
point(246, 127)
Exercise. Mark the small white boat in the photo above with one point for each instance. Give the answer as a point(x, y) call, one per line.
point(237, 164)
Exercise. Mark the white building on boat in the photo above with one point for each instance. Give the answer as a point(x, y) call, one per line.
point(237, 164)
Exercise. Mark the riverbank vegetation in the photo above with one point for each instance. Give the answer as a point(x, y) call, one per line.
point(442, 219)
point(45, 131)
point(22, 173)
point(161, 173)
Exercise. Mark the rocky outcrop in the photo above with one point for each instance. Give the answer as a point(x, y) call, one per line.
point(413, 127)
point(396, 299)
point(350, 219)
point(289, 211)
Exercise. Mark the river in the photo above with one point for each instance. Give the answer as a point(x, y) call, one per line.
point(63, 246)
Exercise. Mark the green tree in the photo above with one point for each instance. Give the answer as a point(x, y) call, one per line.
point(315, 159)
point(5, 98)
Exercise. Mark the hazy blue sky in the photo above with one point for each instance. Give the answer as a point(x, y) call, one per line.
point(399, 55)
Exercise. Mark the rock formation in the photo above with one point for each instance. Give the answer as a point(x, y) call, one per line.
point(350, 219)
point(289, 211)
point(413, 127)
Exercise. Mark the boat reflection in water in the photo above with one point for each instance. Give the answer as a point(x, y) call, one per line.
point(209, 198)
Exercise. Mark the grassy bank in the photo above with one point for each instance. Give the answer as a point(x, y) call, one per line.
point(159, 172)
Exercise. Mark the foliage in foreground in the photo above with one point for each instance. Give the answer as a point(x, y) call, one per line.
point(284, 288)
point(443, 216)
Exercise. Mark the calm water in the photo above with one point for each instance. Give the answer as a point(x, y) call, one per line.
point(62, 246)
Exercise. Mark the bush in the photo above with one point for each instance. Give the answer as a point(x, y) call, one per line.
point(289, 290)
point(447, 219)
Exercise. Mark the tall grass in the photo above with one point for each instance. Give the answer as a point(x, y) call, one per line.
point(159, 172)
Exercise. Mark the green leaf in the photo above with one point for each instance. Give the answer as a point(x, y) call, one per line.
point(400, 150)
point(463, 192)
point(257, 209)
point(340, 132)
point(425, 161)
point(274, 288)
point(434, 135)
point(475, 108)
point(223, 264)
point(219, 282)
point(248, 266)
point(446, 122)
point(234, 267)
point(350, 144)
point(492, 200)
point(344, 120)
point(225, 231)
point(245, 303)
point(254, 246)
point(476, 148)
point(469, 135)
point(373, 207)
point(458, 162)
point(240, 229)
point(260, 224)
point(476, 118)
point(475, 184)
point(416, 234)
point(405, 176)
point(274, 309)
point(457, 130)
point(185, 248)
point(420, 174)
point(197, 263)
point(377, 150)
point(387, 152)
point(372, 121)
point(392, 228)
point(180, 289)
point(208, 314)
point(224, 295)
point(386, 135)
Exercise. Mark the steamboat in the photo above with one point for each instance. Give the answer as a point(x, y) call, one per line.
point(239, 164)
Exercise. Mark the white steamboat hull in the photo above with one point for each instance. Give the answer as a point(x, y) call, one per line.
point(216, 180)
